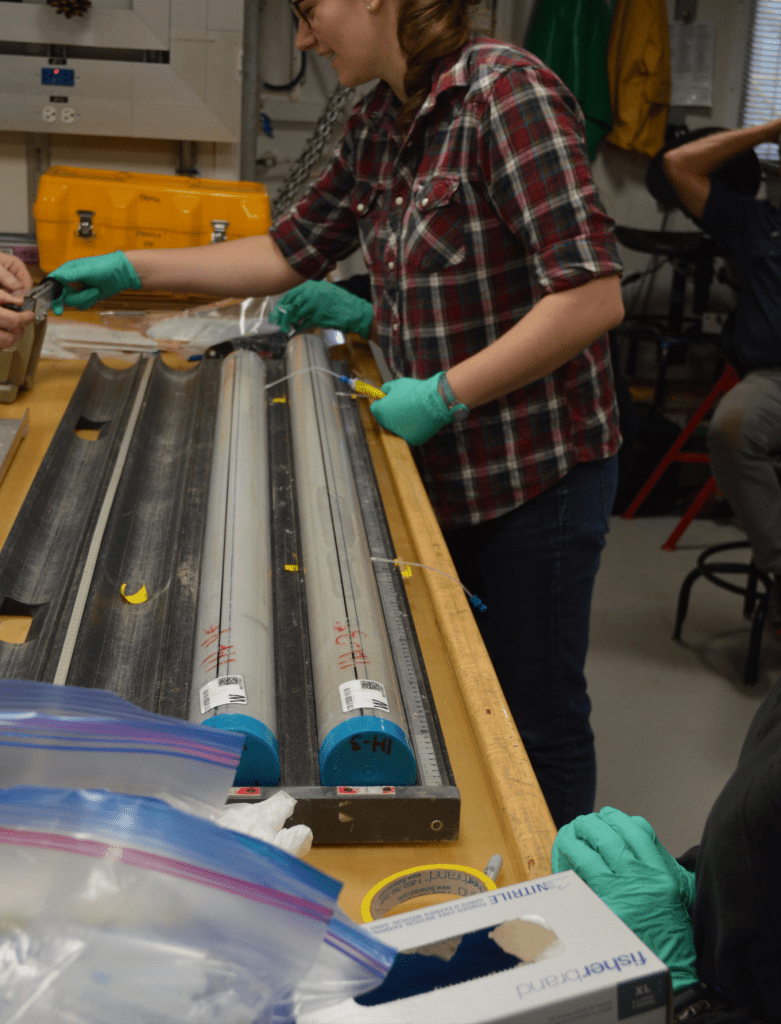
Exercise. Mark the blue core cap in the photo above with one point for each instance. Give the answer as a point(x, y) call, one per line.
point(259, 764)
point(367, 751)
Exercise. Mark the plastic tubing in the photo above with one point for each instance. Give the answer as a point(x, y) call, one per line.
point(361, 725)
point(233, 669)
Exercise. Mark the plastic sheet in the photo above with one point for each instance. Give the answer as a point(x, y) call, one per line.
point(208, 325)
point(188, 332)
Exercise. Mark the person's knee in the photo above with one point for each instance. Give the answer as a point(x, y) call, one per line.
point(747, 420)
point(730, 431)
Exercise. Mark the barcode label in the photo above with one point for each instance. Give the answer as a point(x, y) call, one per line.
point(360, 694)
point(223, 690)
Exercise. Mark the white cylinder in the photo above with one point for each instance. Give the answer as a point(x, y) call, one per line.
point(233, 673)
point(360, 717)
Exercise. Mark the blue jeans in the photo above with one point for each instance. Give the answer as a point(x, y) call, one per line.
point(535, 568)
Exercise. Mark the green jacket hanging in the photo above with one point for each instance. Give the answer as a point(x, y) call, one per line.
point(571, 36)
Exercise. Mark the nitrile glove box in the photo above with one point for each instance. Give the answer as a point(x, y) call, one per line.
point(547, 951)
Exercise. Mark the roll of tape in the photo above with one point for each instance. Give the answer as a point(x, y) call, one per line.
point(454, 880)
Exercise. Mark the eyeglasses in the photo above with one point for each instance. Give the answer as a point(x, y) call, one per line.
point(298, 13)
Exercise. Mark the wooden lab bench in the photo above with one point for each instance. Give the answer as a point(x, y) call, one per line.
point(502, 808)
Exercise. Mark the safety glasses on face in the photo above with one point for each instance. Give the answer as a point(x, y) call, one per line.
point(295, 6)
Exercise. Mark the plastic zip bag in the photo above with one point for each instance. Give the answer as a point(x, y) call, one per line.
point(85, 739)
point(351, 961)
point(60, 944)
point(118, 908)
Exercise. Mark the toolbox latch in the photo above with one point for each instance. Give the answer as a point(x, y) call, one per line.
point(84, 229)
point(220, 230)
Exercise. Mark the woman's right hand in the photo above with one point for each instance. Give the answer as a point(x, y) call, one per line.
point(15, 280)
point(322, 304)
point(100, 278)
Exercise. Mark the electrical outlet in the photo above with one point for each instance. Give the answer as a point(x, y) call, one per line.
point(49, 114)
point(67, 115)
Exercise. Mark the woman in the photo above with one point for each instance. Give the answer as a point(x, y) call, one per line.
point(464, 179)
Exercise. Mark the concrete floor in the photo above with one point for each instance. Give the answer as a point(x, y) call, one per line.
point(669, 717)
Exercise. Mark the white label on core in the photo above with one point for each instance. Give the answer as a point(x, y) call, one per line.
point(363, 693)
point(222, 690)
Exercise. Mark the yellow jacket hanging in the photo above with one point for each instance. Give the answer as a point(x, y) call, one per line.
point(638, 65)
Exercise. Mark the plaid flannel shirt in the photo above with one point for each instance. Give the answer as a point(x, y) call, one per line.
point(481, 208)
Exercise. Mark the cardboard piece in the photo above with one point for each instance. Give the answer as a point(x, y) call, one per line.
point(548, 951)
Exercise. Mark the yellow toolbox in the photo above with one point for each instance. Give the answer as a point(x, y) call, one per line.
point(84, 212)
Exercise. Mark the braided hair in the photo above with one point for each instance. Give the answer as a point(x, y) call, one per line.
point(428, 31)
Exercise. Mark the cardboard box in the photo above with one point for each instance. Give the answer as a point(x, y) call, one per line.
point(547, 951)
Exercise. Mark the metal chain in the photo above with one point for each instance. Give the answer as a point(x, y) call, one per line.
point(299, 173)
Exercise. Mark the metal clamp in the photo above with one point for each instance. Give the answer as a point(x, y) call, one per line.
point(85, 229)
point(220, 230)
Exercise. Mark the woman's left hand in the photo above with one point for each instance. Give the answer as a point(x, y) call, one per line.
point(413, 409)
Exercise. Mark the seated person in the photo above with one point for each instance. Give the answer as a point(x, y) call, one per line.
point(715, 926)
point(744, 437)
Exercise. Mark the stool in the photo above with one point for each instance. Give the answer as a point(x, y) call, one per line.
point(727, 380)
point(692, 255)
point(755, 600)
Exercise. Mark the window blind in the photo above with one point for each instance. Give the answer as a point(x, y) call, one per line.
point(762, 76)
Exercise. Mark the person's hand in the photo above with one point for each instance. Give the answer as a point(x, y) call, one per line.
point(413, 409)
point(100, 277)
point(322, 304)
point(622, 860)
point(15, 280)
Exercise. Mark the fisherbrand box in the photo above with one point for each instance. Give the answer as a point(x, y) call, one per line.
point(547, 951)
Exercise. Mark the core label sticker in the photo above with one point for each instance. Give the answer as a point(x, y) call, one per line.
point(363, 693)
point(222, 690)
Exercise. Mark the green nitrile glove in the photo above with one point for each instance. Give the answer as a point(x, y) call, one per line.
point(622, 860)
point(413, 409)
point(322, 304)
point(101, 276)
